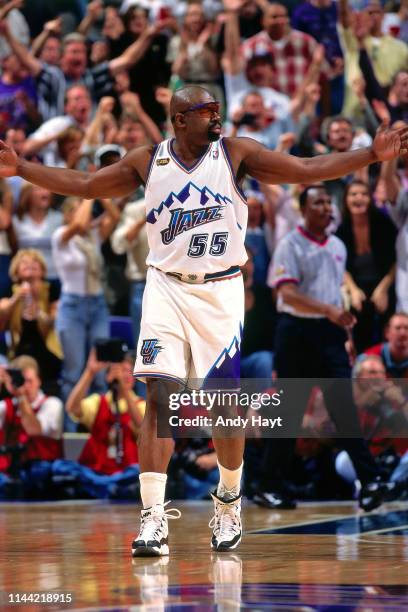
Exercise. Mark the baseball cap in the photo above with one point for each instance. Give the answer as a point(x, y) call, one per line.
point(104, 150)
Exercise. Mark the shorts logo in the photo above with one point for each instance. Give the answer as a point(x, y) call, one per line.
point(163, 161)
point(149, 351)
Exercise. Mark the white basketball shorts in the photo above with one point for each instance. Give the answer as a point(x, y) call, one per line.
point(190, 332)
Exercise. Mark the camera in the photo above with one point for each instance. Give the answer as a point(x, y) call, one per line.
point(388, 416)
point(16, 376)
point(111, 349)
point(246, 119)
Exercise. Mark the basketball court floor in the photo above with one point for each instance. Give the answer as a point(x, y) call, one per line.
point(327, 556)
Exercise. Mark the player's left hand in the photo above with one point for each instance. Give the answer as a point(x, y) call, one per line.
point(390, 142)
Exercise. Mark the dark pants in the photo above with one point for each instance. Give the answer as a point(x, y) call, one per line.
point(307, 349)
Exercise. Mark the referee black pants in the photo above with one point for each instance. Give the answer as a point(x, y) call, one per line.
point(309, 349)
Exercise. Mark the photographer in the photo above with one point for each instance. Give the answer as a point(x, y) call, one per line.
point(383, 411)
point(32, 420)
point(382, 407)
point(108, 465)
point(254, 120)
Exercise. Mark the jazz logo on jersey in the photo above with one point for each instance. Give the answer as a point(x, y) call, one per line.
point(184, 220)
point(163, 161)
point(149, 351)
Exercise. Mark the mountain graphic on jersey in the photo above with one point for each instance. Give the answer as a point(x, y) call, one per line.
point(195, 196)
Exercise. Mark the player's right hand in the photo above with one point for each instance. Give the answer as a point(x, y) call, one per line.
point(8, 160)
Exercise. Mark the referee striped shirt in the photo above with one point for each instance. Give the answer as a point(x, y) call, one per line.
point(317, 268)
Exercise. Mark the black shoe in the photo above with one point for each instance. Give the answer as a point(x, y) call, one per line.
point(373, 494)
point(274, 501)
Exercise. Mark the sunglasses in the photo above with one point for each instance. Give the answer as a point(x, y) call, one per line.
point(207, 109)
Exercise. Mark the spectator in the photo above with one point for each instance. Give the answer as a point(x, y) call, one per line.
point(369, 236)
point(383, 408)
point(192, 52)
point(78, 108)
point(131, 105)
point(339, 134)
point(390, 102)
point(394, 351)
point(131, 133)
point(7, 238)
point(116, 285)
point(151, 69)
point(255, 121)
point(30, 418)
point(18, 97)
point(130, 237)
point(108, 465)
point(249, 20)
point(35, 222)
point(307, 271)
point(16, 22)
point(30, 315)
point(53, 81)
point(396, 195)
point(318, 19)
point(257, 75)
point(82, 314)
point(69, 148)
point(292, 51)
point(382, 411)
point(259, 235)
point(47, 46)
point(284, 214)
point(388, 54)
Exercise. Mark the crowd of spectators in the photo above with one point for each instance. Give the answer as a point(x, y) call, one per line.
point(81, 84)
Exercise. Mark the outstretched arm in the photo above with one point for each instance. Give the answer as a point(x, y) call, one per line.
point(272, 167)
point(119, 179)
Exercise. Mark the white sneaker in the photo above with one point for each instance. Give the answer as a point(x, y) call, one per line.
point(226, 524)
point(152, 540)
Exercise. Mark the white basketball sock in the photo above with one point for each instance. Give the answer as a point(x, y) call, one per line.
point(152, 488)
point(230, 482)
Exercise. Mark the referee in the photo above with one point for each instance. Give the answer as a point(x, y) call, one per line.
point(307, 271)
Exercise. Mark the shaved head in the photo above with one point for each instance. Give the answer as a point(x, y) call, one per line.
point(195, 114)
point(188, 96)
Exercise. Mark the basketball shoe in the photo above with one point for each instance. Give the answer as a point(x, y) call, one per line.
point(226, 523)
point(152, 540)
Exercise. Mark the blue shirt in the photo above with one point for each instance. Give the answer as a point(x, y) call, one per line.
point(321, 24)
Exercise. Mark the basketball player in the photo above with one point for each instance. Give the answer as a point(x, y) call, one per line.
point(193, 301)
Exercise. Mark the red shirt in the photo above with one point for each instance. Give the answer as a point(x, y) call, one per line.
point(100, 453)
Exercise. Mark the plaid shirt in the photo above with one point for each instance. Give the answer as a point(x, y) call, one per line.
point(292, 56)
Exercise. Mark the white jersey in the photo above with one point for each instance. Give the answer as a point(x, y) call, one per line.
point(196, 217)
